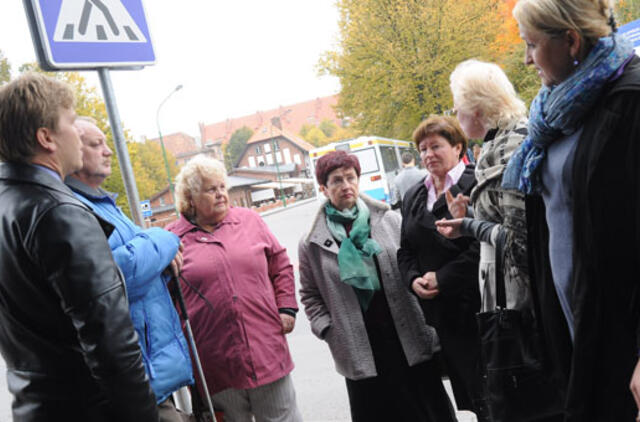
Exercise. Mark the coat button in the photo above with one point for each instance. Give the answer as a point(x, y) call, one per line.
point(328, 243)
point(204, 239)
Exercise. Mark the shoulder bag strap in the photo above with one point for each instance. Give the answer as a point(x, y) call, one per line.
point(501, 296)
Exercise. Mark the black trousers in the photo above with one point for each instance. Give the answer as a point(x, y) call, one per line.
point(401, 394)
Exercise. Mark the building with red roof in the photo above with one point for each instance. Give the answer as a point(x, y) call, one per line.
point(270, 145)
point(292, 118)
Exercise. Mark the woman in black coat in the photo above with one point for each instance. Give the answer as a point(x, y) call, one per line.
point(443, 273)
point(579, 169)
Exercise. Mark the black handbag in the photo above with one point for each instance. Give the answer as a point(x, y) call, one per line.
point(518, 385)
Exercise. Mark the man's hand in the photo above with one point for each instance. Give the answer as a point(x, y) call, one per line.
point(176, 264)
point(635, 387)
point(288, 322)
point(426, 287)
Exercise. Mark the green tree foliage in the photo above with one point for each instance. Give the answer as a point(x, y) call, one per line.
point(315, 136)
point(627, 11)
point(5, 69)
point(236, 145)
point(508, 50)
point(148, 166)
point(395, 57)
point(305, 129)
point(325, 133)
point(146, 158)
point(328, 127)
point(524, 78)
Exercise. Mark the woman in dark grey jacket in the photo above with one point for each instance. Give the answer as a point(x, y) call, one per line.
point(579, 170)
point(354, 297)
point(443, 273)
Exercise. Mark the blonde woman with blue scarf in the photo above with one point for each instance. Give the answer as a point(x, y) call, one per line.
point(578, 168)
point(356, 301)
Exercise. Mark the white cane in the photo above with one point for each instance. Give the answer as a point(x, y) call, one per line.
point(192, 346)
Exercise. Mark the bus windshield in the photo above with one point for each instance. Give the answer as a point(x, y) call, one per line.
point(368, 160)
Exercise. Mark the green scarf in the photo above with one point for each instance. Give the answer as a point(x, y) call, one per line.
point(355, 258)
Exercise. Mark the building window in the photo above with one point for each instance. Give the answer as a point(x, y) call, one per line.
point(162, 201)
point(258, 149)
point(276, 146)
point(267, 148)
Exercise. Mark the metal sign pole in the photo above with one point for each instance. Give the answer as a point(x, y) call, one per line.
point(121, 147)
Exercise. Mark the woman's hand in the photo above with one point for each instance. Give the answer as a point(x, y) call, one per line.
point(635, 387)
point(449, 228)
point(458, 205)
point(426, 287)
point(288, 322)
point(176, 263)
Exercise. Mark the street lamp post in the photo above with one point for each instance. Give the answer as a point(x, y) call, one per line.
point(164, 151)
point(276, 121)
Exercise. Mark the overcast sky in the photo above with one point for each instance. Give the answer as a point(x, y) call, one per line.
point(233, 58)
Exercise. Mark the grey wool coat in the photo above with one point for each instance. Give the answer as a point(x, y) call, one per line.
point(332, 306)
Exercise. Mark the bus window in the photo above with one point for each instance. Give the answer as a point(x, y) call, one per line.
point(389, 159)
point(415, 153)
point(390, 163)
point(368, 160)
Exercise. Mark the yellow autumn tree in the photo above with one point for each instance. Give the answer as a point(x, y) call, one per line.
point(146, 159)
point(627, 11)
point(149, 168)
point(508, 51)
point(395, 57)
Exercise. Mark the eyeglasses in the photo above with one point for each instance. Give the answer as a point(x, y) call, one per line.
point(339, 181)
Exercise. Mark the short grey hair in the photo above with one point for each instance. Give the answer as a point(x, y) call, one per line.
point(189, 181)
point(87, 119)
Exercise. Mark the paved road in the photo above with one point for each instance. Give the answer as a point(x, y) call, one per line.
point(322, 395)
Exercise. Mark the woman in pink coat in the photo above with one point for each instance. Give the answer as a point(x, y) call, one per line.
point(239, 291)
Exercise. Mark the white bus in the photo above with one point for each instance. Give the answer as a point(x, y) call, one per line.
point(380, 161)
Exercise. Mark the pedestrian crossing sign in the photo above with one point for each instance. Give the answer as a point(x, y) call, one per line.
point(90, 34)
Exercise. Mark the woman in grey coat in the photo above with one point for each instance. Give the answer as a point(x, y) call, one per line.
point(355, 300)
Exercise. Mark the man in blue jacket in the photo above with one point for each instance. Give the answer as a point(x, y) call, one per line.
point(146, 258)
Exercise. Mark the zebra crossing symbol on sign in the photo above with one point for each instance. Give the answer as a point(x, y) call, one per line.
point(96, 21)
point(90, 34)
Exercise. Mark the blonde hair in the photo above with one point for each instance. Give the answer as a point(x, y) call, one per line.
point(189, 180)
point(591, 19)
point(484, 87)
point(28, 103)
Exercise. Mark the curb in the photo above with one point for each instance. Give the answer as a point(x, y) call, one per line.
point(295, 204)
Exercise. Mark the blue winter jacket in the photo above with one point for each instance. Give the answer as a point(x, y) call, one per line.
point(143, 255)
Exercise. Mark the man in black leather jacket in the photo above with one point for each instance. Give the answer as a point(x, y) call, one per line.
point(65, 332)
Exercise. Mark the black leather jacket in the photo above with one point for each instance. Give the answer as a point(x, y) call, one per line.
point(65, 331)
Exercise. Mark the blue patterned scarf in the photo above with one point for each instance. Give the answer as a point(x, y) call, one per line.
point(559, 110)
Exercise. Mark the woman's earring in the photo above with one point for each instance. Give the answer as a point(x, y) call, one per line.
point(576, 62)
